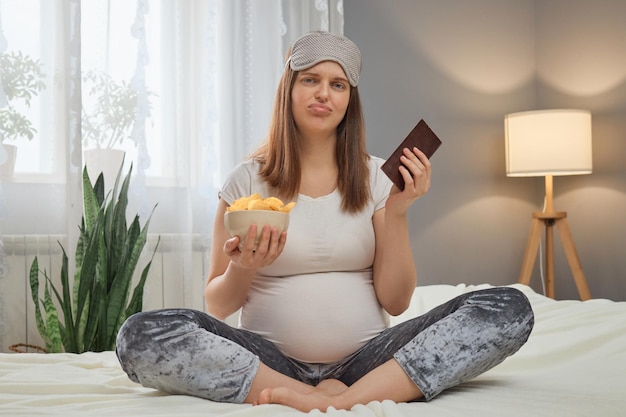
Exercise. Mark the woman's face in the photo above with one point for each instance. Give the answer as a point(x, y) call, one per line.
point(319, 98)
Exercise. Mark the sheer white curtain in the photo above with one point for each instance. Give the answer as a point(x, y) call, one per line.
point(183, 88)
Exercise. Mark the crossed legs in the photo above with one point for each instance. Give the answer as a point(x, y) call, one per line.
point(188, 352)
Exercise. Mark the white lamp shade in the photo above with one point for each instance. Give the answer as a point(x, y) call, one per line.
point(548, 142)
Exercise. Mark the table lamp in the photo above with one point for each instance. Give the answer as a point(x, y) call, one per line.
point(547, 143)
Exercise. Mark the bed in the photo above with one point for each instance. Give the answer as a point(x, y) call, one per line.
point(574, 364)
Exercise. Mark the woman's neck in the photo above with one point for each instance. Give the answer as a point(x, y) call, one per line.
point(319, 170)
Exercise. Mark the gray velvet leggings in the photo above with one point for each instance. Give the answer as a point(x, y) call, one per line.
point(183, 351)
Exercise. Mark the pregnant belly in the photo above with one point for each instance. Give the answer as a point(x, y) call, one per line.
point(316, 318)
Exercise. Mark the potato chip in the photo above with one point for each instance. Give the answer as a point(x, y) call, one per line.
point(274, 203)
point(258, 205)
point(287, 208)
point(257, 202)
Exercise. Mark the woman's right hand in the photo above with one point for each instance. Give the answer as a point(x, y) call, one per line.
point(250, 256)
point(232, 269)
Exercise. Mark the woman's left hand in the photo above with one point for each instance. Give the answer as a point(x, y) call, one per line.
point(416, 170)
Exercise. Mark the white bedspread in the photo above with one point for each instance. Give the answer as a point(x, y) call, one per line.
point(574, 364)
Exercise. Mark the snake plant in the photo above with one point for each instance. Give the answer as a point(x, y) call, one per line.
point(89, 311)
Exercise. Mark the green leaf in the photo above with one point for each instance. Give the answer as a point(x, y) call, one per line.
point(116, 233)
point(82, 333)
point(88, 268)
point(83, 238)
point(53, 345)
point(34, 289)
point(66, 306)
point(136, 302)
point(91, 206)
point(96, 314)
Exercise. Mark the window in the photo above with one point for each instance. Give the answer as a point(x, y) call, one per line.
point(121, 57)
point(27, 80)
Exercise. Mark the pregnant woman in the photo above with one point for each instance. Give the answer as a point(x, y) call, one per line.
point(315, 302)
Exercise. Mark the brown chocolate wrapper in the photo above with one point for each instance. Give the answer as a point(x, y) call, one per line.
point(423, 138)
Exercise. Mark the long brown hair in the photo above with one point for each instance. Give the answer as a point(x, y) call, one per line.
point(279, 155)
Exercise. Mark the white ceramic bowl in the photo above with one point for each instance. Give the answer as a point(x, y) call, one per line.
point(237, 223)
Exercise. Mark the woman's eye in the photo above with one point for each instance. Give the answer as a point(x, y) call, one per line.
point(308, 80)
point(339, 86)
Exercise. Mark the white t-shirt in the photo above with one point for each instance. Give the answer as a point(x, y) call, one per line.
point(316, 302)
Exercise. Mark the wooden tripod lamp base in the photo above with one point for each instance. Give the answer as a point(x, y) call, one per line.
point(547, 219)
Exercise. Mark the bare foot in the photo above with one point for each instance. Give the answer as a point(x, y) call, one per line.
point(303, 402)
point(331, 387)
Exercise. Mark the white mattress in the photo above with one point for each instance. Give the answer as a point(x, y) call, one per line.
point(574, 364)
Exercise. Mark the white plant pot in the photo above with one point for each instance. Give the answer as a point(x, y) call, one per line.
point(106, 161)
point(8, 153)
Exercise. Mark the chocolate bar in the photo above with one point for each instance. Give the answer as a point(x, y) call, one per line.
point(423, 138)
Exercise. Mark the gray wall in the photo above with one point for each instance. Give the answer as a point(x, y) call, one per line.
point(461, 65)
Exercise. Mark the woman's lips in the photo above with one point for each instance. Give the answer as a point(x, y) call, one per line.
point(319, 108)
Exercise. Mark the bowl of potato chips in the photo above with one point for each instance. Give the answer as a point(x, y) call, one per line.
point(255, 209)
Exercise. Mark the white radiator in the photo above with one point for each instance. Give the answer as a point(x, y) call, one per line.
point(176, 278)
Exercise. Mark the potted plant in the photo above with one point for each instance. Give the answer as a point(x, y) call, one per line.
point(22, 79)
point(107, 121)
point(86, 315)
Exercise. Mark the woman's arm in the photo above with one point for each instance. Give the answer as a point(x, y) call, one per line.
point(395, 275)
point(232, 270)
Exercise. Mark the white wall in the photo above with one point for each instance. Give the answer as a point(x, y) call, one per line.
point(462, 65)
